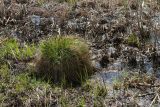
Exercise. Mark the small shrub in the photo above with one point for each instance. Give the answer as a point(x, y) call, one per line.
point(64, 58)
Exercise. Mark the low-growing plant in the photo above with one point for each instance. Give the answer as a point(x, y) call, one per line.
point(100, 91)
point(22, 83)
point(16, 90)
point(97, 89)
point(63, 101)
point(64, 58)
point(133, 40)
point(11, 49)
point(98, 102)
point(120, 82)
point(87, 86)
point(137, 80)
point(117, 84)
point(82, 102)
point(4, 71)
point(40, 2)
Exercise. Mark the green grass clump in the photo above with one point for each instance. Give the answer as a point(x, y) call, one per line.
point(64, 59)
point(12, 49)
point(133, 40)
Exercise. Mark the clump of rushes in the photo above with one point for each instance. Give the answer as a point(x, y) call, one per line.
point(12, 49)
point(133, 40)
point(64, 59)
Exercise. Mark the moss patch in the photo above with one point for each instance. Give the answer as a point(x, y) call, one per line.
point(133, 40)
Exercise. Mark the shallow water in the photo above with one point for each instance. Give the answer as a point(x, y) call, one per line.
point(112, 72)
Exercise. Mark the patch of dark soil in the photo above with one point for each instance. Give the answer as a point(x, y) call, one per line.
point(104, 61)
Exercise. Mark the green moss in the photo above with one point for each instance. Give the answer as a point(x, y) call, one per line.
point(133, 40)
point(65, 58)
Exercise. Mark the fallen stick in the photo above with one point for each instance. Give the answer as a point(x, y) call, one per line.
point(143, 95)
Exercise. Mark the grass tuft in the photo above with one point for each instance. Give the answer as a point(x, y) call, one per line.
point(64, 59)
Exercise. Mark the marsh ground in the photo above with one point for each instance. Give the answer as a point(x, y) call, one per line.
point(123, 37)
